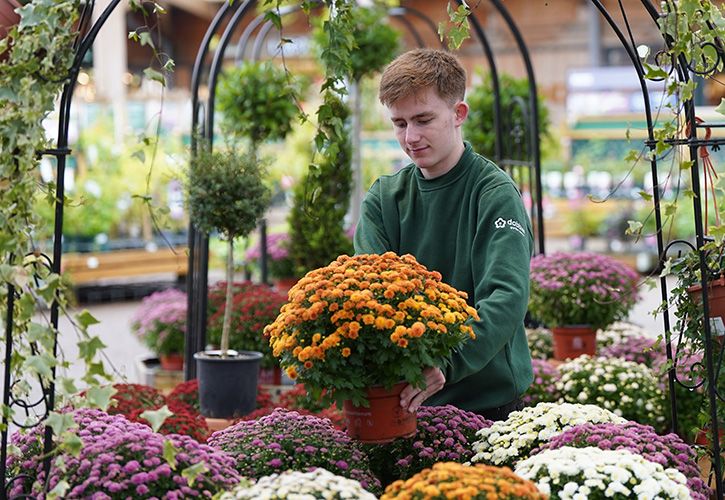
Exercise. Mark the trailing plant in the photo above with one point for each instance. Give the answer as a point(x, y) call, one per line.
point(40, 55)
point(322, 198)
point(226, 193)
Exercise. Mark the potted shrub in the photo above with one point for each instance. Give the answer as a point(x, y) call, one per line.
point(363, 328)
point(253, 307)
point(226, 193)
point(575, 294)
point(160, 323)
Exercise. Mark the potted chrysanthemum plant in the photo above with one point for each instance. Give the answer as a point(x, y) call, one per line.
point(575, 294)
point(226, 193)
point(363, 328)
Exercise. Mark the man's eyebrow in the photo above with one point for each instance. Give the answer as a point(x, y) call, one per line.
point(424, 114)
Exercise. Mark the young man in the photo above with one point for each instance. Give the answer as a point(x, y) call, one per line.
point(461, 215)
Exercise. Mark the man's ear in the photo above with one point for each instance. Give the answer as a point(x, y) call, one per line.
point(461, 110)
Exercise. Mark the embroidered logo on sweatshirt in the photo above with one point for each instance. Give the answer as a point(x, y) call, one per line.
point(501, 223)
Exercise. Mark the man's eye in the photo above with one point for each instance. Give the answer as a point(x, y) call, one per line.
point(423, 122)
point(399, 124)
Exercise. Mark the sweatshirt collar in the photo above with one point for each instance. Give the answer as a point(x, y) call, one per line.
point(458, 171)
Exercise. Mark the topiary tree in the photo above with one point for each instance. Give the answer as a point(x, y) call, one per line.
point(478, 128)
point(226, 192)
point(258, 101)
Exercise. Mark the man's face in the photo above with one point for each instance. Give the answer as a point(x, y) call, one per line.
point(428, 130)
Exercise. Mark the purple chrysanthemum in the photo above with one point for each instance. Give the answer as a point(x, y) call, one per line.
point(122, 459)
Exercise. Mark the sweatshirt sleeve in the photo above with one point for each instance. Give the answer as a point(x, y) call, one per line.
point(370, 236)
point(500, 258)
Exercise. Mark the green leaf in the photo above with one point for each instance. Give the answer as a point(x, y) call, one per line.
point(194, 471)
point(645, 195)
point(144, 38)
point(100, 397)
point(59, 490)
point(721, 107)
point(666, 268)
point(60, 422)
point(669, 209)
point(86, 319)
point(40, 364)
point(170, 452)
point(686, 164)
point(87, 349)
point(66, 386)
point(632, 156)
point(634, 227)
point(157, 417)
point(71, 443)
point(154, 75)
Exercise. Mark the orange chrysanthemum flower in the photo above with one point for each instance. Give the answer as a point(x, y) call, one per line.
point(454, 480)
point(368, 320)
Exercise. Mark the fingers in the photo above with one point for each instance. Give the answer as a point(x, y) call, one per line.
point(411, 397)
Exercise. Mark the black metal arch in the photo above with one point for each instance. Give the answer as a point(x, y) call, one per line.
point(682, 69)
point(87, 31)
point(207, 67)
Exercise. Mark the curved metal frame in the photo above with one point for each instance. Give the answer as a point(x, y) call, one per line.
point(87, 34)
point(229, 18)
point(682, 69)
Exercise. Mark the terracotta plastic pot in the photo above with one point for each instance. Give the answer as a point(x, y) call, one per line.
point(384, 420)
point(8, 19)
point(716, 305)
point(172, 362)
point(573, 341)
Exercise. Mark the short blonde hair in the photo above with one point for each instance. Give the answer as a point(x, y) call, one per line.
point(422, 68)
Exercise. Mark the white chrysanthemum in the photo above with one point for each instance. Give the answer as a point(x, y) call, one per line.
point(508, 441)
point(619, 332)
point(627, 388)
point(296, 485)
point(581, 472)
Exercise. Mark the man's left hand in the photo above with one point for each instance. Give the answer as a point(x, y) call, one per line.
point(411, 398)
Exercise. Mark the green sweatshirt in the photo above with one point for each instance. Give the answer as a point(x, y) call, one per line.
point(471, 226)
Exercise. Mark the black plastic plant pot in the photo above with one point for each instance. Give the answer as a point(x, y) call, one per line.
point(227, 385)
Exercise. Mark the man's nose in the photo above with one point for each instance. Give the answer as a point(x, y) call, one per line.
point(412, 134)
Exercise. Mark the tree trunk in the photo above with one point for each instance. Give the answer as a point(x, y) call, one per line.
point(228, 303)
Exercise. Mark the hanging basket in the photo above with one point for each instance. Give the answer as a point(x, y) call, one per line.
point(716, 305)
point(384, 420)
point(573, 341)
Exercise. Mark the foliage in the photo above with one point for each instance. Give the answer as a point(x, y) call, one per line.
point(510, 441)
point(669, 451)
point(444, 433)
point(226, 191)
point(368, 320)
point(375, 42)
point(279, 261)
point(599, 474)
point(581, 289)
point(122, 459)
point(186, 392)
point(541, 343)
point(624, 387)
point(131, 397)
point(479, 129)
point(322, 198)
point(315, 484)
point(287, 440)
point(258, 100)
point(544, 387)
point(184, 420)
point(253, 308)
point(160, 321)
point(453, 480)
